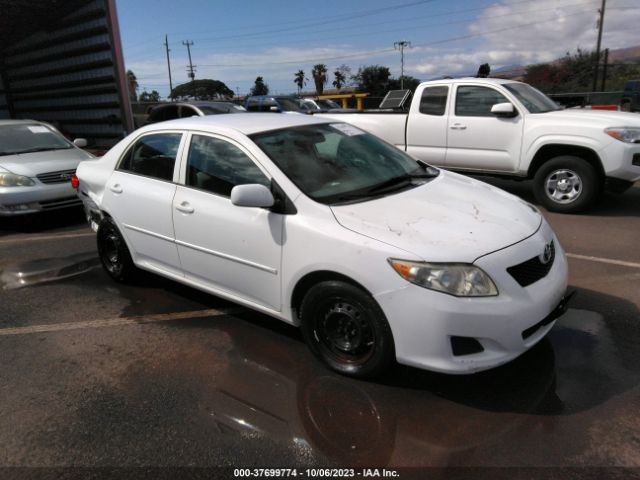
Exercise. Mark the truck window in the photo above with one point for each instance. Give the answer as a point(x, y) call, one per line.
point(434, 100)
point(474, 101)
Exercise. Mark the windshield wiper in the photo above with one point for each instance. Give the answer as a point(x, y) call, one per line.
point(39, 149)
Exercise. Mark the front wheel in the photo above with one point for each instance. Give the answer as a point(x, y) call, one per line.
point(344, 327)
point(113, 252)
point(567, 184)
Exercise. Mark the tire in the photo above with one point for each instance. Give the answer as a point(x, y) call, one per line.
point(625, 106)
point(346, 329)
point(113, 252)
point(567, 184)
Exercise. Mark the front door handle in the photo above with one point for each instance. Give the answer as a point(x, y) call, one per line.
point(458, 126)
point(116, 188)
point(184, 207)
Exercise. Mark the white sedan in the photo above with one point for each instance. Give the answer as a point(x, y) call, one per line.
point(319, 224)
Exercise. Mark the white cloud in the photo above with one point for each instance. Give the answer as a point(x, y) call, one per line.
point(533, 32)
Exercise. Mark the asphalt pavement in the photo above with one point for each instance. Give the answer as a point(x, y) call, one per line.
point(100, 375)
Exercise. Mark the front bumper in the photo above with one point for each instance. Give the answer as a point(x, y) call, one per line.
point(37, 198)
point(424, 322)
point(620, 161)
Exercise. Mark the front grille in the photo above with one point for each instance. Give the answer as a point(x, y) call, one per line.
point(533, 269)
point(60, 203)
point(60, 176)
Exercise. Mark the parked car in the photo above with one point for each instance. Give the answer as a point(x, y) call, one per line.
point(500, 127)
point(36, 163)
point(172, 111)
point(630, 101)
point(270, 103)
point(374, 255)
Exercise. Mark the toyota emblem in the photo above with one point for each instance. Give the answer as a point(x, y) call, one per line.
point(545, 256)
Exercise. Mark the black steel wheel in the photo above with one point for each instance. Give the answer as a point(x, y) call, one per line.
point(346, 329)
point(113, 252)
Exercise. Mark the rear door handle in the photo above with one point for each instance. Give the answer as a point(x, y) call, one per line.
point(184, 207)
point(116, 188)
point(458, 126)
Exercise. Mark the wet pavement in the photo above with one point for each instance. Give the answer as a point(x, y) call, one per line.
point(123, 383)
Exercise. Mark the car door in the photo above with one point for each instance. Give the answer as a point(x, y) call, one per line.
point(235, 250)
point(427, 129)
point(139, 196)
point(478, 139)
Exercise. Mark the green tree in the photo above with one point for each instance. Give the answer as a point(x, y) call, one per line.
point(260, 88)
point(573, 73)
point(483, 71)
point(300, 80)
point(132, 85)
point(340, 79)
point(319, 74)
point(373, 79)
point(408, 83)
point(204, 89)
point(145, 96)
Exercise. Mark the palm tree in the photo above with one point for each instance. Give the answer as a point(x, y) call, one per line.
point(319, 74)
point(300, 80)
point(132, 85)
point(340, 79)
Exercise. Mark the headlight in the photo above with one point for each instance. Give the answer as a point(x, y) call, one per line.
point(461, 280)
point(13, 180)
point(624, 134)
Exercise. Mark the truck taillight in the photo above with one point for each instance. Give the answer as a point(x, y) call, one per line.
point(75, 181)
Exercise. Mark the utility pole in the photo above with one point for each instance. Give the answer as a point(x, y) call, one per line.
point(600, 24)
point(166, 45)
point(191, 69)
point(400, 46)
point(604, 68)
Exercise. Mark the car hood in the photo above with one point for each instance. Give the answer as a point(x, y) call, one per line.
point(450, 219)
point(32, 164)
point(607, 118)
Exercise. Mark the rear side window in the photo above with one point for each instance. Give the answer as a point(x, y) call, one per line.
point(153, 156)
point(217, 166)
point(434, 100)
point(477, 101)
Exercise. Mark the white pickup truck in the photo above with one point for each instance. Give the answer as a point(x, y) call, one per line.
point(507, 128)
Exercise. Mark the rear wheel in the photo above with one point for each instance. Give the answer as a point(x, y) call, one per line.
point(567, 184)
point(113, 252)
point(346, 329)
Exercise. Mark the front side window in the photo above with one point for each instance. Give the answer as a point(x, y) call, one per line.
point(334, 163)
point(153, 156)
point(217, 166)
point(472, 101)
point(434, 100)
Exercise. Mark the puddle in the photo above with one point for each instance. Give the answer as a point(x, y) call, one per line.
point(45, 270)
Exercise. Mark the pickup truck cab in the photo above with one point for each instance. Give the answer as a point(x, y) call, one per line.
point(506, 128)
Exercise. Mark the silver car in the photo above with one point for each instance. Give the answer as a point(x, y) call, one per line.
point(36, 164)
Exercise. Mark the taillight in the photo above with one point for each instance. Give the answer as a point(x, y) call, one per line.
point(75, 181)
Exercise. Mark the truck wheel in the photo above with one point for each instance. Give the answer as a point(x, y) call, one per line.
point(113, 252)
point(346, 329)
point(567, 184)
point(625, 106)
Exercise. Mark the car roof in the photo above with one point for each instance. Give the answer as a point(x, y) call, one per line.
point(247, 123)
point(15, 121)
point(488, 81)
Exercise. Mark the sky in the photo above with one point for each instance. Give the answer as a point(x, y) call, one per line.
point(236, 41)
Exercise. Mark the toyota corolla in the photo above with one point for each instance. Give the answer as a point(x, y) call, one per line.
point(377, 257)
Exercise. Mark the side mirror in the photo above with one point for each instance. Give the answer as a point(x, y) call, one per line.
point(80, 142)
point(505, 109)
point(252, 195)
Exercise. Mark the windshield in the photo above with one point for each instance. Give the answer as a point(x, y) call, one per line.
point(340, 163)
point(25, 138)
point(534, 100)
point(292, 104)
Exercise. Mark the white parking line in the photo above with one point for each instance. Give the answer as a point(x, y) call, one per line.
point(113, 322)
point(45, 237)
point(610, 261)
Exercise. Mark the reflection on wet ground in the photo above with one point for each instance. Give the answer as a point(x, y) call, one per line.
point(244, 390)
